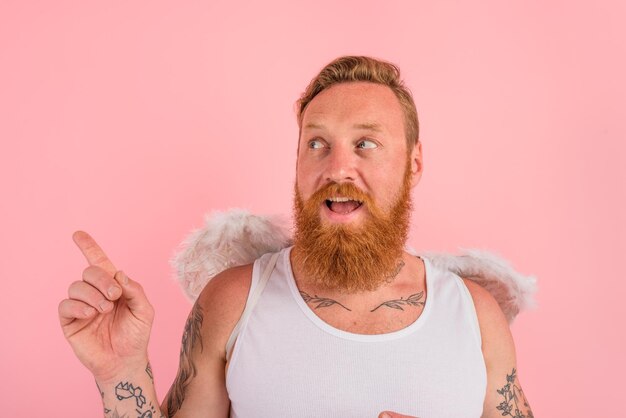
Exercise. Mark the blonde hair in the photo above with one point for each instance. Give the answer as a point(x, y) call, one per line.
point(359, 68)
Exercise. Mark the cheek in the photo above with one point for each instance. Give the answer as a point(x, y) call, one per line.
point(390, 186)
point(304, 182)
point(307, 172)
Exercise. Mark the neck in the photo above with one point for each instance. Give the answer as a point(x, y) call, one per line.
point(408, 274)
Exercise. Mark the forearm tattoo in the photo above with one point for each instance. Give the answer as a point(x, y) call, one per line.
point(125, 391)
point(151, 412)
point(192, 337)
point(106, 410)
point(514, 403)
point(149, 372)
point(116, 414)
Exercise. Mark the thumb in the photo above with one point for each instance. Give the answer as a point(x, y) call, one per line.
point(134, 295)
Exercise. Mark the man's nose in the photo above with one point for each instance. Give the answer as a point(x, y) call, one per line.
point(341, 165)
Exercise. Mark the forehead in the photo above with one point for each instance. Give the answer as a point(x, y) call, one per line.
point(355, 103)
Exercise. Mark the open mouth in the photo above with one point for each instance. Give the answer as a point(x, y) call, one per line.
point(343, 205)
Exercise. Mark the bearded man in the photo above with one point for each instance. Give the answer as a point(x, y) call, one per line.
point(343, 323)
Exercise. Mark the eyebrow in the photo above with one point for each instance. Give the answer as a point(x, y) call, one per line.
point(371, 126)
point(313, 126)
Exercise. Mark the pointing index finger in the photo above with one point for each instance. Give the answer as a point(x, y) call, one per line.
point(93, 253)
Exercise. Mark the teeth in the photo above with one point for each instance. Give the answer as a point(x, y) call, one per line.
point(342, 199)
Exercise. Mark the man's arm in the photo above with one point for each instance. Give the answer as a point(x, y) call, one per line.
point(107, 319)
point(200, 386)
point(504, 396)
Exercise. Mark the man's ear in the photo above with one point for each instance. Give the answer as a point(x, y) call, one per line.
point(417, 164)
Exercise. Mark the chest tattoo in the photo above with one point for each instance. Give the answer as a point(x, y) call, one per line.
point(322, 302)
point(414, 300)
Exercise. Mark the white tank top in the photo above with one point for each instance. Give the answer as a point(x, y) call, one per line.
point(287, 362)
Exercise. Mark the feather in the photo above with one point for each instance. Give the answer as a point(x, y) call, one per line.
point(228, 239)
point(512, 290)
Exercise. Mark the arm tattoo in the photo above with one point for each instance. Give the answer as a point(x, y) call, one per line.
point(413, 300)
point(117, 415)
point(187, 368)
point(100, 390)
point(149, 372)
point(125, 390)
point(150, 413)
point(515, 403)
point(106, 410)
point(321, 302)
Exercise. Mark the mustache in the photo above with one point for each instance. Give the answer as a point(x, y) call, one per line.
point(349, 190)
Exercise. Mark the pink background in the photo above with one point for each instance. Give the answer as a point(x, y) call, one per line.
point(132, 119)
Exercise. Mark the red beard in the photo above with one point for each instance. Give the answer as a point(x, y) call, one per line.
point(350, 258)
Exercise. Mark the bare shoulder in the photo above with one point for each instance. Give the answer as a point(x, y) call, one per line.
point(497, 341)
point(222, 302)
point(504, 395)
point(490, 316)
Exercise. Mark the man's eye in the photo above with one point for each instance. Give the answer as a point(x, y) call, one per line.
point(315, 144)
point(366, 144)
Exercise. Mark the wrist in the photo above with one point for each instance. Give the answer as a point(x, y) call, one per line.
point(129, 391)
point(131, 369)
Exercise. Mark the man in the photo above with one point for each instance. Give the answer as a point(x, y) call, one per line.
point(344, 323)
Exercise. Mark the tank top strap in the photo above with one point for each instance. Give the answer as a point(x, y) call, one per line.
point(256, 289)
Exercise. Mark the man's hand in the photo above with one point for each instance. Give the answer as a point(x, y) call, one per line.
point(107, 317)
